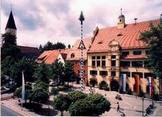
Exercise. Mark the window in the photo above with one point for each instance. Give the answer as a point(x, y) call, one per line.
point(137, 64)
point(113, 73)
point(113, 57)
point(113, 63)
point(98, 57)
point(72, 55)
point(124, 54)
point(137, 52)
point(125, 63)
point(103, 63)
point(93, 57)
point(103, 57)
point(93, 72)
point(98, 63)
point(93, 63)
point(103, 73)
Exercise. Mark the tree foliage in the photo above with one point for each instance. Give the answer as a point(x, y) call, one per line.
point(153, 38)
point(76, 95)
point(61, 103)
point(39, 92)
point(92, 105)
point(51, 46)
point(42, 72)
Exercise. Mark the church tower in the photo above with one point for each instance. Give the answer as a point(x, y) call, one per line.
point(121, 21)
point(11, 27)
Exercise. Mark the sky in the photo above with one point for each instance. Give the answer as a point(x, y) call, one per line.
point(40, 21)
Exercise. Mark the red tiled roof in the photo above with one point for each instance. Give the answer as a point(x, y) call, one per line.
point(127, 37)
point(48, 57)
point(77, 52)
point(130, 57)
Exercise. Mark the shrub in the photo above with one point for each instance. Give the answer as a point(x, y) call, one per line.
point(99, 104)
point(103, 85)
point(93, 82)
point(92, 105)
point(80, 108)
point(61, 103)
point(76, 95)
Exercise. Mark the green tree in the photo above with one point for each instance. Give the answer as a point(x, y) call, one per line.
point(153, 38)
point(9, 47)
point(57, 71)
point(28, 92)
point(76, 95)
point(92, 105)
point(51, 46)
point(69, 72)
point(80, 108)
point(42, 72)
point(61, 103)
point(39, 92)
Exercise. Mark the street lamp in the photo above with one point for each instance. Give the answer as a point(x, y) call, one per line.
point(81, 47)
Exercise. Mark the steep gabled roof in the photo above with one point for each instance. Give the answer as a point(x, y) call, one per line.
point(11, 22)
point(127, 37)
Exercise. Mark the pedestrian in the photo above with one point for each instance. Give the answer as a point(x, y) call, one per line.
point(118, 107)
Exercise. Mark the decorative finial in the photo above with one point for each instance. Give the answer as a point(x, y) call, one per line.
point(81, 18)
point(121, 11)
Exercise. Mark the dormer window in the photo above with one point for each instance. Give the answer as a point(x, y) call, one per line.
point(137, 52)
point(72, 55)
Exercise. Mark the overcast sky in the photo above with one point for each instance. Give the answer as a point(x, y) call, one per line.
point(39, 21)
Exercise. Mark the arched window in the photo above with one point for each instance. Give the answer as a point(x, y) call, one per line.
point(72, 55)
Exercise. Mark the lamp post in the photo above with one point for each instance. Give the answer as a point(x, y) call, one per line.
point(143, 106)
point(81, 46)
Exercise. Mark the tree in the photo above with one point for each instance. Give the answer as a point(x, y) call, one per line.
point(61, 103)
point(42, 72)
point(153, 38)
point(51, 46)
point(9, 47)
point(92, 105)
point(76, 95)
point(80, 108)
point(69, 73)
point(57, 71)
point(99, 104)
point(28, 91)
point(39, 92)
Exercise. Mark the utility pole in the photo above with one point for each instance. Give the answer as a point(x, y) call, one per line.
point(82, 47)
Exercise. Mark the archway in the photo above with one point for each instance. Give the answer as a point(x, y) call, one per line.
point(114, 84)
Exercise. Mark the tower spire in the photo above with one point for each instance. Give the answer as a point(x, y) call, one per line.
point(121, 11)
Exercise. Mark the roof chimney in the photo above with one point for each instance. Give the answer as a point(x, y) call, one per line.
point(135, 21)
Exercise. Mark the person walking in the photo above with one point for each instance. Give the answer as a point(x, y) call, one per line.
point(118, 107)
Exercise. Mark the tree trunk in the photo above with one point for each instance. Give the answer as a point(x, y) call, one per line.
point(62, 113)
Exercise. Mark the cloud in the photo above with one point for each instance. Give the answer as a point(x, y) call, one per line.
point(39, 21)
